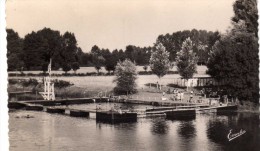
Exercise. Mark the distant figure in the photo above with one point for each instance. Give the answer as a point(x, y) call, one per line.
point(163, 93)
point(191, 96)
point(178, 96)
point(99, 107)
point(182, 96)
point(169, 90)
point(120, 111)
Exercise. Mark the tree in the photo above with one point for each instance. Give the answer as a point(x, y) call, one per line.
point(75, 66)
point(110, 64)
point(69, 52)
point(186, 60)
point(98, 62)
point(40, 46)
point(14, 63)
point(33, 51)
point(234, 59)
point(173, 42)
point(159, 61)
point(121, 55)
point(14, 42)
point(145, 68)
point(45, 66)
point(66, 67)
point(97, 58)
point(96, 50)
point(125, 77)
point(246, 11)
point(129, 52)
point(14, 50)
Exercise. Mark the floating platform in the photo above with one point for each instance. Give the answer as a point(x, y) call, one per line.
point(34, 108)
point(69, 101)
point(79, 113)
point(218, 110)
point(16, 105)
point(115, 117)
point(227, 108)
point(181, 114)
point(55, 110)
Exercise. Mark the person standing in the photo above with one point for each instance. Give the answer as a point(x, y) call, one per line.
point(182, 96)
point(191, 96)
point(179, 96)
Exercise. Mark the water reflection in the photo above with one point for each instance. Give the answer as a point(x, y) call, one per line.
point(217, 130)
point(219, 127)
point(206, 132)
point(159, 126)
point(186, 129)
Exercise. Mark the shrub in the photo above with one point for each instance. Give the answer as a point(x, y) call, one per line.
point(61, 83)
point(12, 81)
point(125, 77)
point(30, 82)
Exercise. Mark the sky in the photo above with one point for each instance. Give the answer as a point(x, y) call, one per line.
point(114, 24)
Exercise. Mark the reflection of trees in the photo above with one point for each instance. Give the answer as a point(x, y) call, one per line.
point(218, 129)
point(159, 126)
point(186, 129)
point(250, 123)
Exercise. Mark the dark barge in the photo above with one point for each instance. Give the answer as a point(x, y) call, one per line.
point(181, 114)
point(79, 113)
point(55, 110)
point(115, 117)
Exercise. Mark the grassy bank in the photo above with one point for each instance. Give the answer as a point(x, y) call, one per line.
point(101, 86)
point(247, 106)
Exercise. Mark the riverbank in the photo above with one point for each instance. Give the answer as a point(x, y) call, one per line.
point(248, 107)
point(103, 86)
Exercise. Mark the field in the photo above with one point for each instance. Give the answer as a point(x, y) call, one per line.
point(91, 85)
point(106, 82)
point(200, 70)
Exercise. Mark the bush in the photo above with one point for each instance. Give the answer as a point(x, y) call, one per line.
point(125, 77)
point(150, 72)
point(12, 81)
point(61, 83)
point(30, 82)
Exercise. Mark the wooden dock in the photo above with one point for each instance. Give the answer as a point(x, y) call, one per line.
point(172, 113)
point(217, 109)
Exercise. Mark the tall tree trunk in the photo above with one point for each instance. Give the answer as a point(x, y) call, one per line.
point(160, 86)
point(187, 84)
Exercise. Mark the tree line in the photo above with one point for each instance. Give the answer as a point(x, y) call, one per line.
point(33, 52)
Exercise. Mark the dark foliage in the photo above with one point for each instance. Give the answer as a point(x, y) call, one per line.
point(125, 78)
point(61, 83)
point(203, 41)
point(14, 51)
point(235, 59)
point(75, 66)
point(23, 82)
point(246, 10)
point(66, 67)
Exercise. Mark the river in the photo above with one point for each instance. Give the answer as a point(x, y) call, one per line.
point(207, 132)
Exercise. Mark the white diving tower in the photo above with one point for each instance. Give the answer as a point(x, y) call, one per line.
point(48, 93)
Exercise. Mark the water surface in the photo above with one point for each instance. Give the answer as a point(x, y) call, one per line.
point(64, 133)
